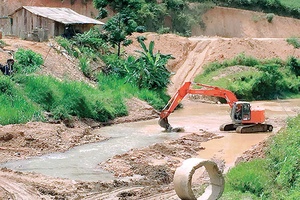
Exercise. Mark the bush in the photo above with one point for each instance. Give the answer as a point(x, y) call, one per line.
point(270, 17)
point(294, 65)
point(249, 177)
point(27, 61)
point(6, 86)
point(294, 41)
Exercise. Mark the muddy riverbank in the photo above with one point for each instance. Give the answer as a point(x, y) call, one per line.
point(147, 172)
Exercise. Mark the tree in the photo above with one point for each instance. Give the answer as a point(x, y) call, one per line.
point(122, 24)
point(149, 70)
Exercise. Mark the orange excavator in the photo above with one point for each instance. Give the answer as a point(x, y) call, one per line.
point(245, 119)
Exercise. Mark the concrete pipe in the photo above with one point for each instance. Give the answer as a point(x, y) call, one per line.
point(183, 180)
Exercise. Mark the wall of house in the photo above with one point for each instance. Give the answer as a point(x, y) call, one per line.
point(29, 26)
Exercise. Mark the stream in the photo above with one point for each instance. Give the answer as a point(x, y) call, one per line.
point(80, 163)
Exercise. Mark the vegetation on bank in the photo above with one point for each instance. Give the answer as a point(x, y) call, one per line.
point(275, 177)
point(28, 96)
point(253, 79)
point(288, 8)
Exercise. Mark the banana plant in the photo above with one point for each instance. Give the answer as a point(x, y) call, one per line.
point(149, 70)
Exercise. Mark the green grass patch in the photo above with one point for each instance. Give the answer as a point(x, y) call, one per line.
point(253, 79)
point(275, 177)
point(248, 177)
point(26, 97)
point(15, 107)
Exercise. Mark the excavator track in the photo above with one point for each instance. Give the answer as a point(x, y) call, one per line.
point(251, 128)
point(227, 127)
point(254, 128)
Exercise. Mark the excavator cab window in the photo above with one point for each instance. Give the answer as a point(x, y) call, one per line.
point(246, 112)
point(241, 111)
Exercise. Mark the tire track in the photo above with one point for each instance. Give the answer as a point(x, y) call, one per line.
point(192, 65)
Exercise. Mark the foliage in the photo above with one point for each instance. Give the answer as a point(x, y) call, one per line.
point(117, 85)
point(248, 177)
point(26, 96)
point(178, 16)
point(88, 47)
point(283, 158)
point(15, 108)
point(294, 41)
point(294, 65)
point(275, 177)
point(254, 79)
point(287, 8)
point(69, 98)
point(147, 71)
point(27, 61)
point(85, 67)
point(270, 17)
point(122, 24)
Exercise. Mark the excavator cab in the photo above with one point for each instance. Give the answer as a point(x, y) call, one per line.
point(241, 111)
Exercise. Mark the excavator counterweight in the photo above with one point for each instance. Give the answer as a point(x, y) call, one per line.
point(245, 119)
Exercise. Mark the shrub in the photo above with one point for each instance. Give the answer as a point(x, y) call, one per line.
point(27, 61)
point(6, 86)
point(294, 65)
point(149, 69)
point(270, 17)
point(294, 41)
point(249, 177)
point(85, 67)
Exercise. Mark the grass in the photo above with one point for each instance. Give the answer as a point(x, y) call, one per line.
point(275, 177)
point(15, 107)
point(26, 97)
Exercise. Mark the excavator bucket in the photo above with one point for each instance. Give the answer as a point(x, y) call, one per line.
point(163, 122)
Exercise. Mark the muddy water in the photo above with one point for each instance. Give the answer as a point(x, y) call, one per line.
point(80, 163)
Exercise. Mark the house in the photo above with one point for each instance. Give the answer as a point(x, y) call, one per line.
point(42, 23)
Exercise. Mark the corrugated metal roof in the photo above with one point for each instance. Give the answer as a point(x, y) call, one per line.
point(62, 15)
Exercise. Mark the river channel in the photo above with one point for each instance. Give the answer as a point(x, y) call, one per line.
point(80, 163)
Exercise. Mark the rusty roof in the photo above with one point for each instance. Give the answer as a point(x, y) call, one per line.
point(62, 15)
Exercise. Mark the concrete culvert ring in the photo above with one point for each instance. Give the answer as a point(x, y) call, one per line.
point(183, 180)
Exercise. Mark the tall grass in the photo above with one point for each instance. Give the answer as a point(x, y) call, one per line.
point(275, 177)
point(26, 97)
point(15, 107)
